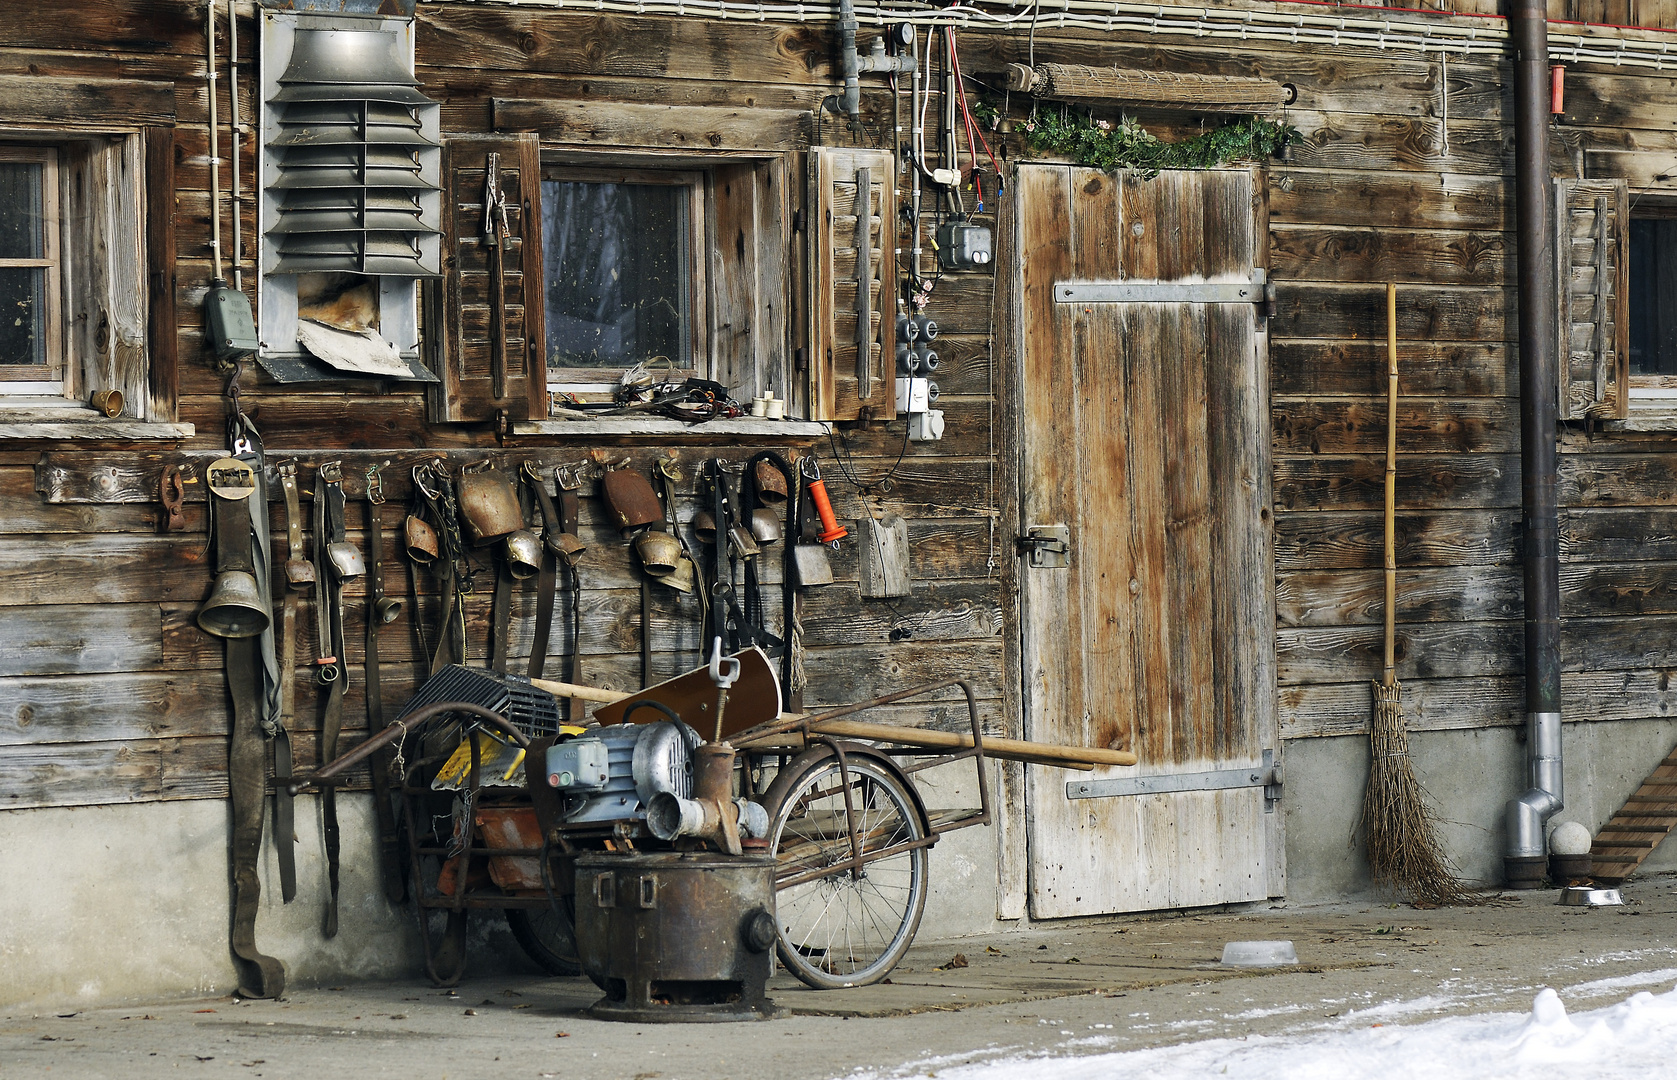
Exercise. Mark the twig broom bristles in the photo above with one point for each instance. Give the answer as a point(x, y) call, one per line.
point(1403, 846)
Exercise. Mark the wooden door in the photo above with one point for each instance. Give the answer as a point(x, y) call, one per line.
point(1143, 433)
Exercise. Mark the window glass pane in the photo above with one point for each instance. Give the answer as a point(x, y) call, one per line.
point(1653, 296)
point(23, 305)
point(618, 273)
point(20, 210)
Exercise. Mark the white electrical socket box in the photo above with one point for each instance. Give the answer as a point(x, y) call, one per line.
point(912, 396)
point(925, 426)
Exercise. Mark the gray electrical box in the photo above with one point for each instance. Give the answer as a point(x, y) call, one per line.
point(961, 245)
point(228, 322)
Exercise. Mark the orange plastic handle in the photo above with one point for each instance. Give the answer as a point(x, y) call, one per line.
point(831, 530)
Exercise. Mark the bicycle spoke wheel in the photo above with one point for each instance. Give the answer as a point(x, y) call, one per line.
point(547, 936)
point(846, 928)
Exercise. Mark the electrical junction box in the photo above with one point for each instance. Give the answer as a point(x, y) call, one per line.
point(578, 765)
point(912, 395)
point(925, 426)
point(228, 322)
point(962, 245)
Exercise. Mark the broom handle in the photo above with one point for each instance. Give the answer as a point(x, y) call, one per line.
point(1389, 676)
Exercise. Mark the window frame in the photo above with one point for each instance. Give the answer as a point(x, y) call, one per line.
point(697, 179)
point(55, 378)
point(1648, 389)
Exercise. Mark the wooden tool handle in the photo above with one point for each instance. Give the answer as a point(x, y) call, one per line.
point(574, 690)
point(1389, 674)
point(1013, 749)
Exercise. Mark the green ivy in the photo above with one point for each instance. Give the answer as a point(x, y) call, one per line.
point(1125, 144)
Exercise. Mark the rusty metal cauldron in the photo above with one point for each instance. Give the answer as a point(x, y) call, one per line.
point(677, 937)
point(488, 506)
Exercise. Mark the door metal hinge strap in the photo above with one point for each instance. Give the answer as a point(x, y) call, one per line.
point(1266, 776)
point(1157, 292)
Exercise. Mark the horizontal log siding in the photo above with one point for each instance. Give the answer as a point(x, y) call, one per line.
point(1376, 199)
point(108, 692)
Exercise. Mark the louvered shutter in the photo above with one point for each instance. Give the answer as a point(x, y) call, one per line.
point(482, 326)
point(1592, 268)
point(851, 379)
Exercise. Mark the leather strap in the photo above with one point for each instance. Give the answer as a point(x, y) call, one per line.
point(390, 858)
point(329, 521)
point(260, 975)
point(285, 815)
point(570, 509)
point(548, 580)
point(500, 628)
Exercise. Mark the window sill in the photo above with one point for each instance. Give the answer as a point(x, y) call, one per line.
point(671, 430)
point(84, 425)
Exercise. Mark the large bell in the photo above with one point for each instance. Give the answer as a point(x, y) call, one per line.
point(235, 608)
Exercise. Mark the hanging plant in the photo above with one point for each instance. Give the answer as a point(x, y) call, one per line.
point(1105, 145)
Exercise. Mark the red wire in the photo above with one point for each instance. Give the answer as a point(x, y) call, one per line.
point(961, 88)
point(961, 95)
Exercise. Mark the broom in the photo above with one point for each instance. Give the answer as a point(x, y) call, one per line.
point(1403, 846)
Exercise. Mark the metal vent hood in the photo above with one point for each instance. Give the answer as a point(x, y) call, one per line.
point(351, 167)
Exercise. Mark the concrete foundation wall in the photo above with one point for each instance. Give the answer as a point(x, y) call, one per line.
point(112, 904)
point(1471, 776)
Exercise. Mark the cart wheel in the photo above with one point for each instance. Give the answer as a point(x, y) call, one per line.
point(845, 929)
point(547, 936)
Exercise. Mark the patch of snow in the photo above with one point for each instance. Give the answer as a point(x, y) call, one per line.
point(1632, 1040)
point(1646, 978)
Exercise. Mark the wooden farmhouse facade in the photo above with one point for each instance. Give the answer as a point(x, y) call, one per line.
point(1152, 522)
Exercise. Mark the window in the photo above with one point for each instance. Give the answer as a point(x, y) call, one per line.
point(1653, 299)
point(31, 272)
point(77, 311)
point(624, 281)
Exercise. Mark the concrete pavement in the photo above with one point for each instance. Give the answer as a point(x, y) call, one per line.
point(1091, 986)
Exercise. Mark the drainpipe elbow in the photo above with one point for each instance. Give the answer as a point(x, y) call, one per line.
point(1528, 813)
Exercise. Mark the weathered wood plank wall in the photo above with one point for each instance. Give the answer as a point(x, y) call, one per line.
point(108, 692)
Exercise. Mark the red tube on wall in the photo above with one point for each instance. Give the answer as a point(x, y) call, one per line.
point(1557, 89)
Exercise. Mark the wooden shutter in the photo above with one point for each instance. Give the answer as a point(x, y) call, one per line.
point(839, 388)
point(464, 348)
point(1592, 283)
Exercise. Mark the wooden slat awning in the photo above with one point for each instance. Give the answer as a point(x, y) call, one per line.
point(1206, 93)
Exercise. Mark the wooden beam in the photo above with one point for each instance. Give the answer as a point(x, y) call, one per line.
point(85, 103)
point(698, 128)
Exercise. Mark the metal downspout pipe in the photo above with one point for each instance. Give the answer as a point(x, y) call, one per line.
point(1524, 861)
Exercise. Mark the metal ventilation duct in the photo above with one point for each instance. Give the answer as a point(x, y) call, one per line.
point(351, 159)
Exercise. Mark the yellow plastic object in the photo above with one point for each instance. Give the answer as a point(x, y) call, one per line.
point(495, 759)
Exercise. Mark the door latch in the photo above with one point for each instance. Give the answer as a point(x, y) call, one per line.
point(1046, 547)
